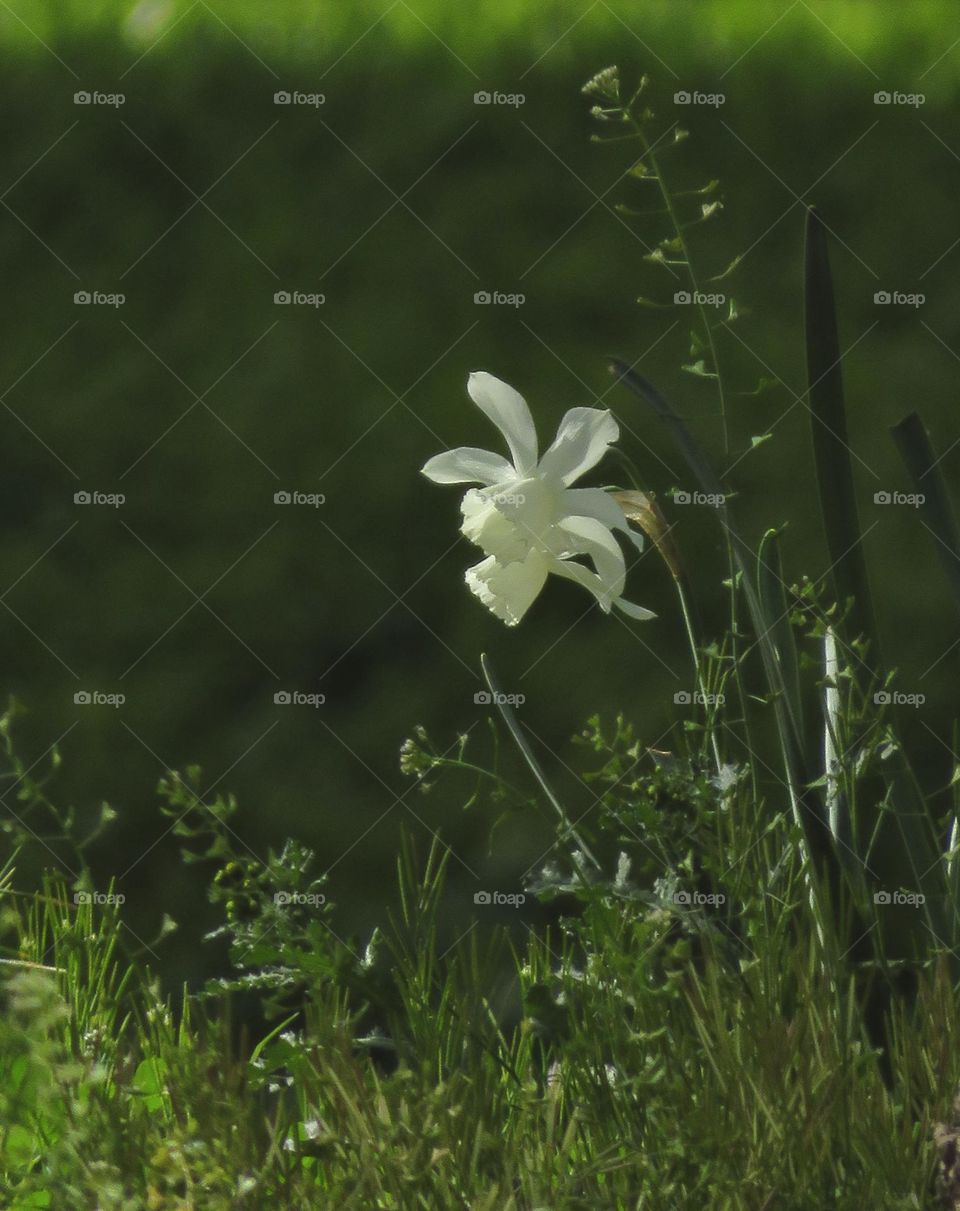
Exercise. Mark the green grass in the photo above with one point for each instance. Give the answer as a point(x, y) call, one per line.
point(645, 1053)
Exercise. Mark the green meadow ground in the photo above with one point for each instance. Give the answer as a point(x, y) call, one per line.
point(641, 1055)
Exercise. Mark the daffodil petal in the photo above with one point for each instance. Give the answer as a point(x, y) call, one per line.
point(468, 465)
point(593, 584)
point(509, 412)
point(598, 503)
point(634, 611)
point(585, 578)
point(508, 590)
point(592, 538)
point(582, 440)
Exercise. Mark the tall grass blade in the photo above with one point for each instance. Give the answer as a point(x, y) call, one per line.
point(831, 446)
point(771, 588)
point(936, 510)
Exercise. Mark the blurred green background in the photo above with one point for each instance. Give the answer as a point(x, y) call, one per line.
point(398, 198)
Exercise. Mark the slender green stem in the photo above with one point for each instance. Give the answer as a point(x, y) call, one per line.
point(520, 739)
point(698, 669)
point(698, 294)
point(650, 154)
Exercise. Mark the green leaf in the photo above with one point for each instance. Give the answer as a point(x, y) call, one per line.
point(731, 268)
point(936, 510)
point(699, 370)
point(763, 385)
point(150, 1081)
point(831, 446)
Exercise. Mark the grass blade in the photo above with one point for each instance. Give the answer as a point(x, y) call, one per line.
point(937, 508)
point(771, 588)
point(831, 447)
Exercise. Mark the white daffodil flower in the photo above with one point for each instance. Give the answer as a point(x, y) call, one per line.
point(526, 518)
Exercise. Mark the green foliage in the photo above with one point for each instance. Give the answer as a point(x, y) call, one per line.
point(650, 1049)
